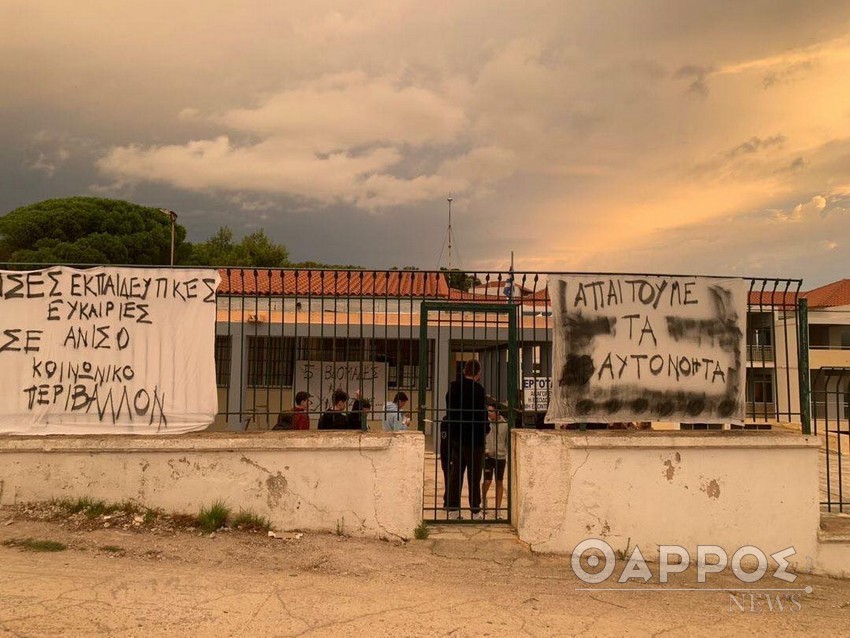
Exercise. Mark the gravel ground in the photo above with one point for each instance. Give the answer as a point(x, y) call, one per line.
point(160, 578)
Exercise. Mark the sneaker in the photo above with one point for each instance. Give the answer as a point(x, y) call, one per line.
point(477, 516)
point(454, 515)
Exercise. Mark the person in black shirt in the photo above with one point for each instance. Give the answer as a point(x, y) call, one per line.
point(336, 418)
point(468, 426)
point(358, 415)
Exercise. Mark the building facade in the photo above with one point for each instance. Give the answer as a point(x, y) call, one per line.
point(281, 331)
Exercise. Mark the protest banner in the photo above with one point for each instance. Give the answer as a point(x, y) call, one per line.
point(647, 348)
point(107, 350)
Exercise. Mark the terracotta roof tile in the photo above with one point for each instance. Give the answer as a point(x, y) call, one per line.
point(332, 283)
point(434, 285)
point(829, 296)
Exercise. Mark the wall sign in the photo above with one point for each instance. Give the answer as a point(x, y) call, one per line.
point(535, 392)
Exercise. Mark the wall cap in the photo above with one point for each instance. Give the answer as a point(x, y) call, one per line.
point(599, 439)
point(208, 442)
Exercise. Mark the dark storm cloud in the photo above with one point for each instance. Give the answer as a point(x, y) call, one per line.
point(696, 77)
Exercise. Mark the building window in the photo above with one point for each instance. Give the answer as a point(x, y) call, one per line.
point(402, 359)
point(759, 387)
point(222, 360)
point(270, 362)
point(759, 337)
point(818, 336)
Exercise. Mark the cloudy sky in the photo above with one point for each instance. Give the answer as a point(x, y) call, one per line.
point(654, 136)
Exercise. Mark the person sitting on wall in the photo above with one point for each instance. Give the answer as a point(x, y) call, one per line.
point(395, 420)
point(336, 418)
point(298, 418)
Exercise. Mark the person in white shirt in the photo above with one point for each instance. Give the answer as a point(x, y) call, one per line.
point(395, 419)
point(495, 456)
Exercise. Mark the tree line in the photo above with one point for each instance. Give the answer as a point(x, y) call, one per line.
point(94, 230)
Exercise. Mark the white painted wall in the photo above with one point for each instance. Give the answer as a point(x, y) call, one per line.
point(369, 483)
point(650, 488)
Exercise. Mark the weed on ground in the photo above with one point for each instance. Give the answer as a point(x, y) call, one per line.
point(112, 549)
point(250, 521)
point(213, 517)
point(35, 545)
point(86, 514)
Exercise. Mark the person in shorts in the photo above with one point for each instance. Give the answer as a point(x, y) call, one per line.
point(495, 456)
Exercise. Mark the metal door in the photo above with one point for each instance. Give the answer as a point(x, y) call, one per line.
point(460, 332)
point(831, 420)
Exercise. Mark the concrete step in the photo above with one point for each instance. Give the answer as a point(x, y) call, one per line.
point(834, 528)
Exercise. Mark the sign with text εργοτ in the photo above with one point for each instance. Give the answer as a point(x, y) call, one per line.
point(535, 392)
point(107, 350)
point(647, 348)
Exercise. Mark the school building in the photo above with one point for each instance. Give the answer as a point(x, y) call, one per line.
point(382, 332)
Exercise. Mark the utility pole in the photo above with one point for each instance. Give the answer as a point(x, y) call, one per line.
point(173, 217)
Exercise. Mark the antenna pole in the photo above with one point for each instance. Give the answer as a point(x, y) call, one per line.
point(449, 240)
point(449, 199)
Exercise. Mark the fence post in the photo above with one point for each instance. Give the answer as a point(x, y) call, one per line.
point(423, 369)
point(803, 364)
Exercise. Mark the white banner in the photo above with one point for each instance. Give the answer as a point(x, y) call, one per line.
point(652, 348)
point(321, 378)
point(107, 351)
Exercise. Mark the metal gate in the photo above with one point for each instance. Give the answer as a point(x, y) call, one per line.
point(456, 467)
point(831, 420)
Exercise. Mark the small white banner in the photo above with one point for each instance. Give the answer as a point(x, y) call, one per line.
point(535, 392)
point(321, 378)
point(107, 350)
point(631, 348)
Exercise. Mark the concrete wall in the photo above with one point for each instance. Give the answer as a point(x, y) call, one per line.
point(369, 483)
point(649, 488)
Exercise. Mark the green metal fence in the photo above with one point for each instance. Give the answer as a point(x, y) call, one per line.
point(281, 331)
point(831, 421)
point(270, 321)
